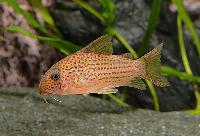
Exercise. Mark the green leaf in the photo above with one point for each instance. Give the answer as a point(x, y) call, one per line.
point(118, 100)
point(168, 71)
point(154, 95)
point(43, 11)
point(44, 14)
point(90, 9)
point(108, 11)
point(185, 60)
point(60, 44)
point(186, 19)
point(59, 47)
point(26, 15)
point(114, 32)
point(197, 95)
point(153, 18)
point(182, 47)
point(193, 112)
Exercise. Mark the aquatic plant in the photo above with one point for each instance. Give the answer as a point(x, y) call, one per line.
point(53, 38)
point(153, 18)
point(182, 16)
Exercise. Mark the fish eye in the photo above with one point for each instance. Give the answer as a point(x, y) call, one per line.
point(55, 76)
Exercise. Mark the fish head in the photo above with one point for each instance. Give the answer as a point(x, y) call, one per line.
point(52, 81)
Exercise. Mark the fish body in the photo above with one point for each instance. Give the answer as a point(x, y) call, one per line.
point(94, 69)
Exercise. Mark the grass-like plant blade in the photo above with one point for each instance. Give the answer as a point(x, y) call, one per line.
point(182, 47)
point(153, 18)
point(185, 76)
point(43, 11)
point(197, 95)
point(186, 19)
point(27, 16)
point(114, 32)
point(58, 46)
point(108, 11)
point(168, 71)
point(44, 14)
point(193, 112)
point(119, 101)
point(61, 44)
point(90, 9)
point(185, 60)
point(154, 95)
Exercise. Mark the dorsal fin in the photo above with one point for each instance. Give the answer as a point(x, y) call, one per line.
point(101, 45)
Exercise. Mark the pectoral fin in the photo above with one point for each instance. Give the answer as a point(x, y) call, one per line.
point(101, 45)
point(137, 83)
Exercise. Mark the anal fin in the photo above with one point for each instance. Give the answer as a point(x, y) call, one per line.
point(137, 83)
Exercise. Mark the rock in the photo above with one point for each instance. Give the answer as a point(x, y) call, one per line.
point(23, 112)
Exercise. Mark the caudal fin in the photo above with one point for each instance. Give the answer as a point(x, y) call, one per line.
point(153, 67)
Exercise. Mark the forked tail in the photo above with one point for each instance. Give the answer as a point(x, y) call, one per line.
point(152, 68)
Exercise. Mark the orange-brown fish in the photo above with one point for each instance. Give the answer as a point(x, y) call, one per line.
point(94, 69)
